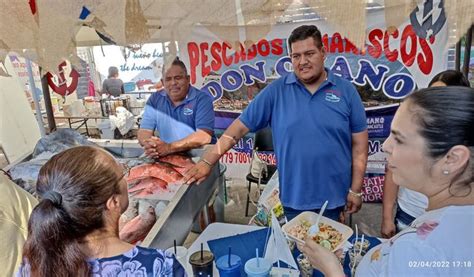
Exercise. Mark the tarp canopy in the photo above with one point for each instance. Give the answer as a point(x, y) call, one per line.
point(48, 31)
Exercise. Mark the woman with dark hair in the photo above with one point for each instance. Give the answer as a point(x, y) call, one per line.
point(449, 78)
point(430, 150)
point(410, 204)
point(113, 85)
point(73, 231)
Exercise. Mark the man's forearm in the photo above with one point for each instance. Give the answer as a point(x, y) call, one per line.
point(230, 137)
point(143, 135)
point(194, 140)
point(358, 172)
point(360, 150)
point(390, 192)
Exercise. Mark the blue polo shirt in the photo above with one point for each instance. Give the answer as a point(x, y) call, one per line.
point(175, 123)
point(312, 137)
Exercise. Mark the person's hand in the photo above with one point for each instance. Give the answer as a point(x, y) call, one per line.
point(321, 258)
point(354, 203)
point(197, 173)
point(342, 217)
point(388, 229)
point(163, 149)
point(150, 146)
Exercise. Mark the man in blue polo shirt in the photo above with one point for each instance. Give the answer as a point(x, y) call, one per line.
point(319, 133)
point(181, 114)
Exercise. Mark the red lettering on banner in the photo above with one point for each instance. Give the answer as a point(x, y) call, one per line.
point(391, 55)
point(407, 46)
point(193, 52)
point(277, 46)
point(325, 42)
point(375, 50)
point(227, 60)
point(408, 34)
point(252, 52)
point(425, 59)
point(350, 47)
point(219, 53)
point(205, 69)
point(337, 43)
point(216, 58)
point(264, 47)
point(239, 55)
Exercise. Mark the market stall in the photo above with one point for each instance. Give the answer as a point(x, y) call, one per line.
point(175, 222)
point(174, 219)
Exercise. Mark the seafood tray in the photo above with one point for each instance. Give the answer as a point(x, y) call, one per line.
point(176, 220)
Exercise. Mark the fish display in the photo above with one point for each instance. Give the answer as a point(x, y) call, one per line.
point(130, 213)
point(156, 170)
point(137, 228)
point(149, 186)
point(179, 162)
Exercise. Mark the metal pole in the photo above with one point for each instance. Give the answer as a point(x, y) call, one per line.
point(31, 79)
point(47, 102)
point(467, 52)
point(458, 56)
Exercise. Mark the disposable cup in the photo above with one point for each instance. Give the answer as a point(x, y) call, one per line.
point(357, 245)
point(180, 255)
point(261, 268)
point(202, 265)
point(229, 270)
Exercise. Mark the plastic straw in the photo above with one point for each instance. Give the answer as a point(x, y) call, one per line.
point(357, 234)
point(230, 251)
point(356, 256)
point(258, 260)
point(361, 244)
point(266, 239)
point(202, 251)
point(175, 250)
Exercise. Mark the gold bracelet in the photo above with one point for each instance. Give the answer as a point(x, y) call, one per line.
point(355, 193)
point(206, 162)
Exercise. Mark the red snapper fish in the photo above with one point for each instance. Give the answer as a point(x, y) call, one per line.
point(149, 186)
point(178, 161)
point(156, 170)
point(137, 228)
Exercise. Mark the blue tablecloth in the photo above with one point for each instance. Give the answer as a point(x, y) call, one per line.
point(243, 245)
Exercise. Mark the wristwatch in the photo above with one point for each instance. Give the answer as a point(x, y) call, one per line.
point(355, 193)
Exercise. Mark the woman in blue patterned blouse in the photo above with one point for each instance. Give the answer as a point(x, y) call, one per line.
point(73, 231)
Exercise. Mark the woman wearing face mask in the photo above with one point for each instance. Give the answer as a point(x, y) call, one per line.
point(411, 204)
point(430, 150)
point(73, 231)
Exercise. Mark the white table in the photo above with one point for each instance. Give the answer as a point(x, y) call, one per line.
point(216, 231)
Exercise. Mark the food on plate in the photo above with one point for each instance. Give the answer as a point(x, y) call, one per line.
point(327, 237)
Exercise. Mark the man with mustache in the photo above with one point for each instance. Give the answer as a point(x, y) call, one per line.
point(182, 115)
point(319, 132)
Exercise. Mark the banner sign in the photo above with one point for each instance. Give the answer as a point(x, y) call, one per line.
point(20, 66)
point(373, 187)
point(394, 62)
point(142, 67)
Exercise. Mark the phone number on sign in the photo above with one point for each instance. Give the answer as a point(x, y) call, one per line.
point(244, 158)
point(439, 263)
point(235, 158)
